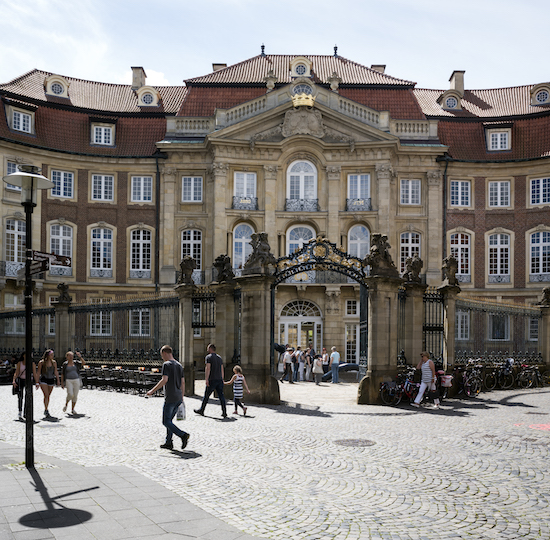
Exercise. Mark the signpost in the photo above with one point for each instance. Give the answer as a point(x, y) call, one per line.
point(52, 258)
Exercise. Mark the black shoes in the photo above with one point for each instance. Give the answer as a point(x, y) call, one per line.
point(184, 440)
point(168, 446)
point(224, 415)
point(198, 411)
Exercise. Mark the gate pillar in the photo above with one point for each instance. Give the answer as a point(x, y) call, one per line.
point(185, 293)
point(449, 293)
point(256, 338)
point(414, 317)
point(544, 334)
point(383, 335)
point(63, 331)
point(225, 317)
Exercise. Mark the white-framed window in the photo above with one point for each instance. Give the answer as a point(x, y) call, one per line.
point(499, 327)
point(460, 250)
point(100, 321)
point(191, 244)
point(540, 255)
point(499, 254)
point(11, 168)
point(142, 188)
point(242, 247)
point(499, 139)
point(359, 241)
point(102, 252)
point(358, 186)
point(64, 184)
point(409, 247)
point(351, 308)
point(15, 240)
point(540, 191)
point(297, 236)
point(460, 193)
point(302, 181)
point(14, 325)
point(140, 322)
point(410, 192)
point(61, 240)
point(499, 193)
point(462, 325)
point(191, 189)
point(352, 343)
point(22, 121)
point(196, 317)
point(245, 184)
point(103, 187)
point(103, 135)
point(140, 263)
point(533, 330)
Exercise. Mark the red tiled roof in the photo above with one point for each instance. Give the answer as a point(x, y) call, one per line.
point(202, 101)
point(515, 101)
point(401, 102)
point(71, 131)
point(94, 95)
point(466, 140)
point(253, 71)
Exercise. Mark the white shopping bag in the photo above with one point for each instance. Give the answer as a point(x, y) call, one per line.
point(181, 411)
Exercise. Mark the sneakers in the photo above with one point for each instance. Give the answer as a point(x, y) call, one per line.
point(198, 411)
point(224, 415)
point(167, 446)
point(235, 412)
point(414, 404)
point(184, 440)
point(46, 413)
point(20, 415)
point(73, 412)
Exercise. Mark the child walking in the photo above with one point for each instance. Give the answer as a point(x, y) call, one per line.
point(238, 382)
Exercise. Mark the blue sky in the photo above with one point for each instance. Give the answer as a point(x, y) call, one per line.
point(497, 43)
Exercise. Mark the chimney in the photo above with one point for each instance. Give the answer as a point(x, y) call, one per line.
point(457, 82)
point(217, 67)
point(381, 68)
point(138, 78)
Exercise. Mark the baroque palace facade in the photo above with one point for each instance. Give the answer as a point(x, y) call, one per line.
point(297, 146)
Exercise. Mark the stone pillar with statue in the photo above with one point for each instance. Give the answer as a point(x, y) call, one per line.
point(449, 290)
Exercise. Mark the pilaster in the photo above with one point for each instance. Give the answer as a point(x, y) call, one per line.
point(414, 319)
point(385, 179)
point(434, 238)
point(270, 179)
point(167, 232)
point(449, 292)
point(225, 320)
point(218, 192)
point(333, 203)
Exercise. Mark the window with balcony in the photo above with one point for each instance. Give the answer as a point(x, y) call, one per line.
point(302, 187)
point(499, 258)
point(409, 247)
point(191, 244)
point(358, 192)
point(61, 243)
point(460, 250)
point(244, 194)
point(140, 264)
point(15, 246)
point(499, 193)
point(102, 253)
point(539, 263)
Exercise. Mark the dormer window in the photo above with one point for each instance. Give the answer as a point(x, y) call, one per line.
point(300, 66)
point(542, 96)
point(21, 121)
point(499, 139)
point(103, 135)
point(147, 97)
point(301, 69)
point(57, 86)
point(451, 103)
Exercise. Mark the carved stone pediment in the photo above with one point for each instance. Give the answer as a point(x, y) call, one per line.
point(303, 121)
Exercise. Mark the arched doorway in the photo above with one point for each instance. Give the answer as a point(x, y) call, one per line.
point(301, 323)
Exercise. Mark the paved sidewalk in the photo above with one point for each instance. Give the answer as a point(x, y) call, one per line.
point(318, 467)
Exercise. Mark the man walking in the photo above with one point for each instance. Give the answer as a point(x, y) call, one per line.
point(213, 377)
point(287, 359)
point(174, 388)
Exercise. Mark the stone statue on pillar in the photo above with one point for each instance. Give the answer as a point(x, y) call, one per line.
point(413, 266)
point(223, 266)
point(379, 258)
point(545, 300)
point(64, 297)
point(450, 268)
point(187, 266)
point(261, 256)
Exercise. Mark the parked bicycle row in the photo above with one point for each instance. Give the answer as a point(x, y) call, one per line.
point(466, 379)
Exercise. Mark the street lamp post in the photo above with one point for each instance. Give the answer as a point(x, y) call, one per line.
point(30, 181)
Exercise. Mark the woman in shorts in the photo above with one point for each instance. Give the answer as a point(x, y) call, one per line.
point(47, 376)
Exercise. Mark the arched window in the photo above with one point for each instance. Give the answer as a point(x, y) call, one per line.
point(191, 244)
point(410, 246)
point(301, 187)
point(358, 241)
point(61, 243)
point(298, 236)
point(242, 236)
point(499, 258)
point(460, 250)
point(540, 256)
point(140, 265)
point(300, 308)
point(102, 253)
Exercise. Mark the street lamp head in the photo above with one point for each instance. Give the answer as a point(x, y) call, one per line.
point(29, 179)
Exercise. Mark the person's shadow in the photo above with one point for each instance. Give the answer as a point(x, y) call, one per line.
point(56, 515)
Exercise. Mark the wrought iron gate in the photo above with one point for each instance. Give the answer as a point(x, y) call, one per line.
point(433, 327)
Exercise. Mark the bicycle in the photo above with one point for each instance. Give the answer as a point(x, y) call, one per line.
point(391, 393)
point(502, 376)
point(469, 379)
point(530, 376)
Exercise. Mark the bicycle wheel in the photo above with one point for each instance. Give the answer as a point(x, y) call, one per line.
point(388, 395)
point(506, 380)
point(545, 377)
point(525, 379)
point(472, 386)
point(490, 381)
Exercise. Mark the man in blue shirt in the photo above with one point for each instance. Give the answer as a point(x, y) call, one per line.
point(173, 382)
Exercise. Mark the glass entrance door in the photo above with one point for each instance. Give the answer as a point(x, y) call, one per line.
point(301, 334)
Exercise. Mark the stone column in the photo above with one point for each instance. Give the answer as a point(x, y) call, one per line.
point(382, 353)
point(63, 329)
point(225, 319)
point(449, 293)
point(185, 292)
point(333, 203)
point(167, 255)
point(434, 253)
point(256, 338)
point(385, 177)
point(270, 178)
point(544, 335)
point(218, 208)
point(414, 320)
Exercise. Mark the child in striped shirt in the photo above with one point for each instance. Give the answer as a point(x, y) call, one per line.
point(238, 382)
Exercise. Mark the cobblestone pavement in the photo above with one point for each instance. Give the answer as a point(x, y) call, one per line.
point(322, 467)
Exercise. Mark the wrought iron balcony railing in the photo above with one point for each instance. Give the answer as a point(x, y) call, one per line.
point(302, 205)
point(245, 203)
point(358, 205)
